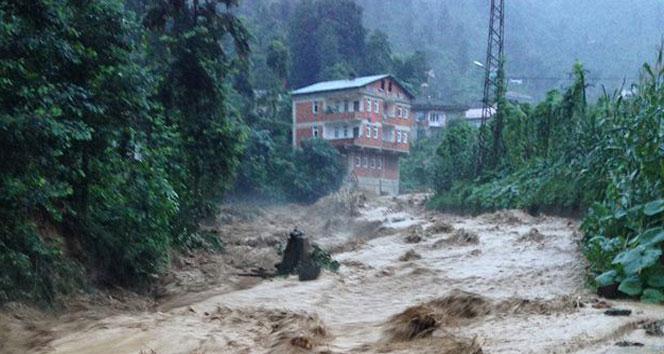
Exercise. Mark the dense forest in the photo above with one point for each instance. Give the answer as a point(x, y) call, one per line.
point(123, 124)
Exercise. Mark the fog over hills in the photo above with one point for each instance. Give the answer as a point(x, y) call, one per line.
point(543, 38)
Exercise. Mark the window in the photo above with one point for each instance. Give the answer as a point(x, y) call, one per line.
point(389, 86)
point(376, 107)
point(315, 107)
point(367, 108)
point(358, 161)
point(399, 111)
point(379, 163)
point(345, 106)
point(382, 85)
point(398, 136)
point(375, 132)
point(366, 162)
point(356, 106)
point(405, 138)
point(373, 162)
point(368, 131)
point(314, 131)
point(356, 132)
point(405, 113)
point(336, 132)
point(345, 131)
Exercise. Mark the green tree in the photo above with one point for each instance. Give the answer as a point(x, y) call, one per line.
point(82, 149)
point(326, 39)
point(277, 60)
point(195, 93)
point(318, 169)
point(378, 58)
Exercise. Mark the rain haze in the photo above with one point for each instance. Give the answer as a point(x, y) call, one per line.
point(331, 176)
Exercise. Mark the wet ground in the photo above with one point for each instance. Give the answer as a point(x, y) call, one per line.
point(411, 281)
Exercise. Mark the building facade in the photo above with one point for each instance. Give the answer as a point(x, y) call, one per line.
point(368, 119)
point(432, 116)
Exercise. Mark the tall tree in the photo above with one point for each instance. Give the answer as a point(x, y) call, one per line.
point(195, 96)
point(378, 58)
point(326, 39)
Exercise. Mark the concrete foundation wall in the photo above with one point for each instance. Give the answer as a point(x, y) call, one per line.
point(379, 185)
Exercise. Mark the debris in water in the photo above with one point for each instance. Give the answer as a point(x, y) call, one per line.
point(654, 328)
point(415, 233)
point(601, 304)
point(409, 256)
point(533, 235)
point(297, 258)
point(414, 322)
point(628, 344)
point(302, 342)
point(459, 237)
point(440, 227)
point(618, 312)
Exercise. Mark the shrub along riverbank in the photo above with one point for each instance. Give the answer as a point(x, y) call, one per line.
point(564, 155)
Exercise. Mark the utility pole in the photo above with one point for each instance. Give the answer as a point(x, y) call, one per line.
point(493, 66)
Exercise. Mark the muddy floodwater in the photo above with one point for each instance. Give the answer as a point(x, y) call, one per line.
point(410, 281)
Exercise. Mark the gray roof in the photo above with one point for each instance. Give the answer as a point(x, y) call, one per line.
point(338, 85)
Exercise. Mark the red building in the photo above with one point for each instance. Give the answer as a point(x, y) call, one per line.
point(368, 119)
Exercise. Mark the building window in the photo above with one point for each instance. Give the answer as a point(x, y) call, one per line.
point(399, 111)
point(389, 86)
point(345, 131)
point(356, 106)
point(314, 131)
point(382, 85)
point(373, 162)
point(405, 138)
point(376, 107)
point(358, 161)
point(405, 113)
point(345, 106)
point(375, 132)
point(315, 107)
point(398, 136)
point(336, 132)
point(379, 163)
point(368, 106)
point(365, 162)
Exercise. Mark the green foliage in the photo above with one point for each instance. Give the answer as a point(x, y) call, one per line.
point(565, 155)
point(325, 36)
point(318, 170)
point(102, 157)
point(457, 151)
point(323, 259)
point(195, 96)
point(418, 169)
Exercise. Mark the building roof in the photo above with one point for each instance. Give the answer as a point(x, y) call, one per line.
point(476, 113)
point(338, 85)
point(425, 104)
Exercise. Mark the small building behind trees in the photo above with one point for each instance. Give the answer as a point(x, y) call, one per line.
point(431, 116)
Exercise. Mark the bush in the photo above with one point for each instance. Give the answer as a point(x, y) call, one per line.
point(317, 170)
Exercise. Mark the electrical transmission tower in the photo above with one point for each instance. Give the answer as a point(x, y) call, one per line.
point(493, 84)
point(494, 57)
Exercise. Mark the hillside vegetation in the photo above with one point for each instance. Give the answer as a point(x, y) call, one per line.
point(122, 124)
point(564, 155)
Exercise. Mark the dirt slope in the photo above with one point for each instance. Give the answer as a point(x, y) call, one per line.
point(411, 281)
